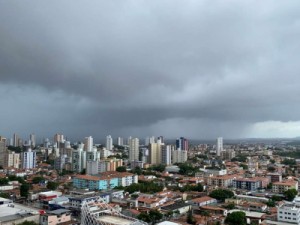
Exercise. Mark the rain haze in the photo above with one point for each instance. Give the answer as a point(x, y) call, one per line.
point(199, 69)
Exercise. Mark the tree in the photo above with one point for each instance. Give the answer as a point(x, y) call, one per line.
point(24, 188)
point(271, 203)
point(271, 169)
point(155, 215)
point(276, 198)
point(221, 194)
point(270, 186)
point(230, 206)
point(144, 216)
point(3, 181)
point(121, 169)
point(26, 222)
point(190, 219)
point(290, 194)
point(234, 218)
point(187, 169)
point(37, 180)
point(158, 168)
point(4, 195)
point(244, 166)
point(52, 185)
point(137, 170)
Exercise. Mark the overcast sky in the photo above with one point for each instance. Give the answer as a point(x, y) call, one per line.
point(199, 69)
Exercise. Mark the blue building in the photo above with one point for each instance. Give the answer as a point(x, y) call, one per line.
point(250, 184)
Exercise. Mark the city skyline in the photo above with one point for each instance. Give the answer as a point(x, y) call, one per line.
point(198, 69)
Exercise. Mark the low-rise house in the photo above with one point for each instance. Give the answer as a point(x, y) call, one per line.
point(205, 200)
point(214, 210)
point(177, 208)
point(252, 206)
point(281, 187)
point(56, 217)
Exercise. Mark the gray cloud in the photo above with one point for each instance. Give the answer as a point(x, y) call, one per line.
point(195, 68)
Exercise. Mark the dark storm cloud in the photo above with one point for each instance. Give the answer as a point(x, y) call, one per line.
point(216, 68)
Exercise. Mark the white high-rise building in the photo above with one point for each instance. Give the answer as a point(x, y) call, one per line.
point(109, 143)
point(120, 141)
point(88, 144)
point(149, 140)
point(166, 154)
point(219, 146)
point(32, 140)
point(179, 156)
point(134, 145)
point(28, 159)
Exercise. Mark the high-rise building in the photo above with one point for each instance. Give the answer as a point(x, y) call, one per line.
point(219, 146)
point(120, 141)
point(88, 144)
point(166, 154)
point(15, 140)
point(182, 144)
point(155, 153)
point(2, 152)
point(134, 145)
point(149, 140)
point(179, 156)
point(32, 140)
point(58, 138)
point(28, 159)
point(109, 143)
point(12, 159)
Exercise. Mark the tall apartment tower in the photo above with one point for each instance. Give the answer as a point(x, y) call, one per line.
point(2, 152)
point(167, 154)
point(32, 140)
point(28, 159)
point(109, 143)
point(182, 144)
point(120, 141)
point(155, 153)
point(15, 140)
point(134, 145)
point(219, 146)
point(88, 144)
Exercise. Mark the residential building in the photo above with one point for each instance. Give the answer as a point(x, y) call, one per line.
point(109, 143)
point(28, 159)
point(32, 140)
point(182, 144)
point(88, 144)
point(250, 184)
point(133, 149)
point(167, 154)
point(56, 217)
point(281, 187)
point(3, 151)
point(205, 200)
point(224, 181)
point(179, 156)
point(120, 141)
point(12, 159)
point(289, 213)
point(219, 146)
point(155, 153)
point(274, 177)
point(105, 180)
